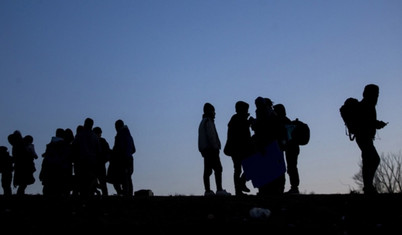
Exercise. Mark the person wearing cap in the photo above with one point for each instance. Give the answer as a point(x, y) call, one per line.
point(209, 146)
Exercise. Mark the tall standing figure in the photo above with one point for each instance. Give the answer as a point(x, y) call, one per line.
point(365, 135)
point(292, 150)
point(86, 149)
point(103, 158)
point(6, 170)
point(121, 166)
point(239, 144)
point(209, 145)
point(24, 155)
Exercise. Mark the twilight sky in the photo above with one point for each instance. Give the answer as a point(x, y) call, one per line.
point(155, 63)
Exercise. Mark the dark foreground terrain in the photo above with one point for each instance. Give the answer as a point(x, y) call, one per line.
point(290, 214)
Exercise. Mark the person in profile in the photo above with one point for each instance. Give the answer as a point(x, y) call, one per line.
point(365, 135)
point(6, 170)
point(101, 161)
point(209, 146)
point(24, 166)
point(239, 144)
point(85, 149)
point(291, 148)
point(121, 166)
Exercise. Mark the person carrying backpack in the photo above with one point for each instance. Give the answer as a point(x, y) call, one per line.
point(290, 143)
point(365, 134)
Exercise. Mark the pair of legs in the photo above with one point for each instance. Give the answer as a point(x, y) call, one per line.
point(292, 155)
point(238, 176)
point(212, 164)
point(370, 160)
point(101, 175)
point(6, 179)
point(126, 187)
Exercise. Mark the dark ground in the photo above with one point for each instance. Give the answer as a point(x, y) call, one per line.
point(290, 214)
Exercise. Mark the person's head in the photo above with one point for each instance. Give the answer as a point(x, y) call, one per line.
point(15, 138)
point(98, 131)
point(88, 124)
point(241, 107)
point(268, 102)
point(209, 110)
point(280, 110)
point(79, 129)
point(60, 133)
point(371, 93)
point(259, 102)
point(119, 124)
point(3, 150)
point(28, 139)
point(68, 135)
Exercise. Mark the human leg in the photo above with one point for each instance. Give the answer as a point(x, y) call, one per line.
point(292, 154)
point(207, 173)
point(370, 160)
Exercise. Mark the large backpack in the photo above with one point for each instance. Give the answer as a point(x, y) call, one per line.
point(301, 132)
point(350, 115)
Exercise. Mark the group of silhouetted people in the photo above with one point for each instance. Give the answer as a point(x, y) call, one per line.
point(272, 125)
point(21, 162)
point(269, 125)
point(76, 165)
point(72, 165)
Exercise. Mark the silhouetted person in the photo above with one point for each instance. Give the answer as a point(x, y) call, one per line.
point(291, 149)
point(267, 129)
point(121, 166)
point(68, 138)
point(239, 144)
point(6, 170)
point(265, 126)
point(55, 173)
point(24, 166)
point(209, 145)
point(85, 149)
point(103, 158)
point(365, 136)
point(74, 178)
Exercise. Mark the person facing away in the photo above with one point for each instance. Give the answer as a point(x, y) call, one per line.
point(291, 148)
point(55, 173)
point(209, 146)
point(6, 170)
point(365, 135)
point(85, 149)
point(102, 160)
point(24, 166)
point(239, 144)
point(121, 166)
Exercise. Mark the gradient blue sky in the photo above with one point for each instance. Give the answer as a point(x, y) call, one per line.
point(155, 63)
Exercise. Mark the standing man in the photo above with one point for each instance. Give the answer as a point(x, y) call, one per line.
point(86, 149)
point(101, 161)
point(239, 144)
point(121, 165)
point(365, 136)
point(209, 145)
point(6, 170)
point(291, 149)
